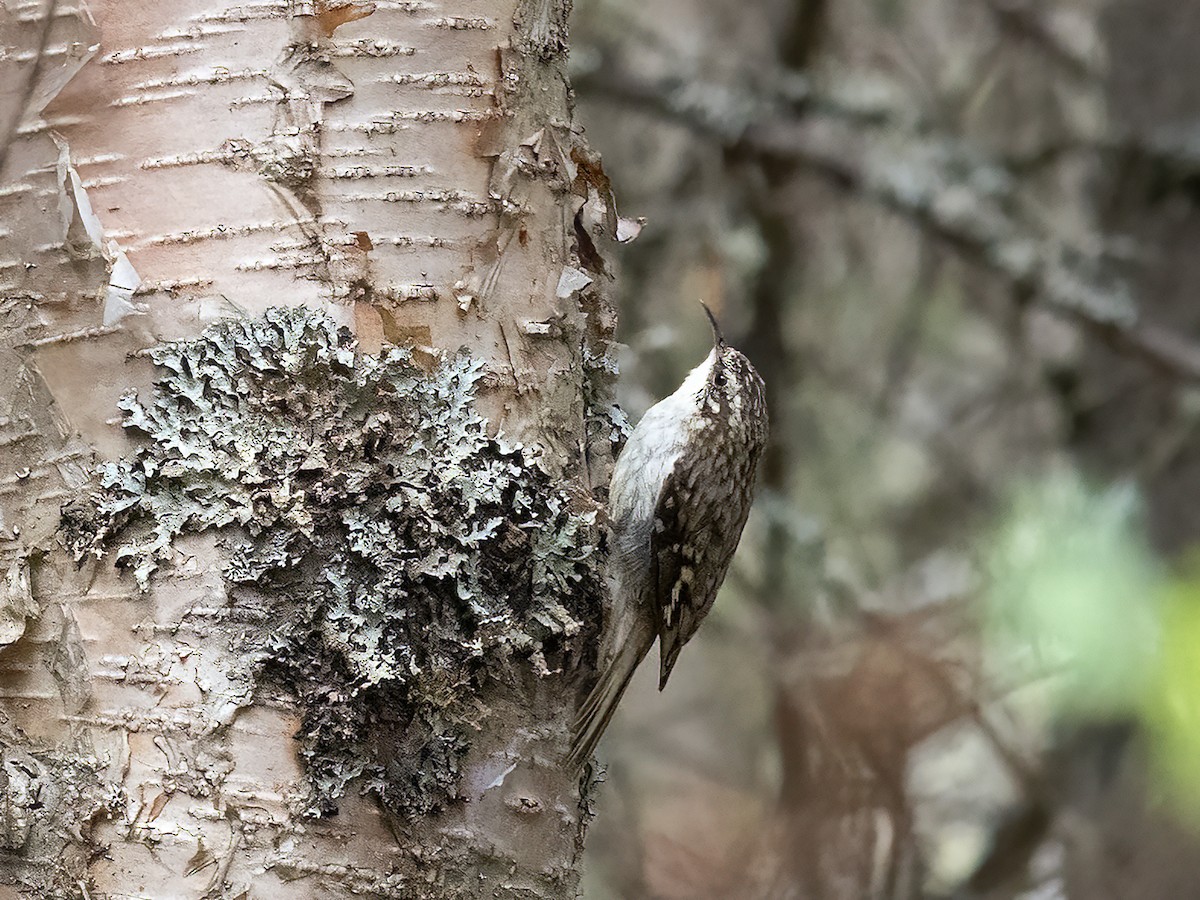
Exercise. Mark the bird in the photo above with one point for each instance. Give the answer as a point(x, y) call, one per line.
point(679, 497)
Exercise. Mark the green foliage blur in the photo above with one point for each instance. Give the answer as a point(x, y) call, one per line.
point(1076, 594)
point(1171, 707)
point(1073, 590)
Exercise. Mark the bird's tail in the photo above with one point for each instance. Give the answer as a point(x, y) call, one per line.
point(601, 703)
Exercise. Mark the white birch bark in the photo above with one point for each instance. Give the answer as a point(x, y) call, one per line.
point(409, 169)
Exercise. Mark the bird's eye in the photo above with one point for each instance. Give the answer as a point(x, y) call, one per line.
point(720, 379)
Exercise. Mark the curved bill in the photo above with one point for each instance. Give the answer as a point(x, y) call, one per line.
point(718, 338)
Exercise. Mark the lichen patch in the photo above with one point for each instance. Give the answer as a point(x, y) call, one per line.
point(401, 555)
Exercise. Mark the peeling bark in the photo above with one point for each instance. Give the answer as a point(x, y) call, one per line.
point(306, 357)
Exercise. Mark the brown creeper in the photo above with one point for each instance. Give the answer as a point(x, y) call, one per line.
point(679, 498)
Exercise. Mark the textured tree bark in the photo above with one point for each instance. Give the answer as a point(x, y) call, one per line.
point(305, 402)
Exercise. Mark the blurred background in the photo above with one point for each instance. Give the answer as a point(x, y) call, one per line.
point(958, 655)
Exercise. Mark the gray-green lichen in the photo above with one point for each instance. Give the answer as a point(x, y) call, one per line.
point(50, 801)
point(400, 555)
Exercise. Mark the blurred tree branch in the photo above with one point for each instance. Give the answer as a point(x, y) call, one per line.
point(1029, 20)
point(862, 141)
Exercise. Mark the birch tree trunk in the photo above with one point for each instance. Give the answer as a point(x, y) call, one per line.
point(305, 398)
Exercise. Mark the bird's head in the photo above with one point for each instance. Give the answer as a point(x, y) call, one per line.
point(731, 386)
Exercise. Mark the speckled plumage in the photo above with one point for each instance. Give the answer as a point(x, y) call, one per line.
point(680, 495)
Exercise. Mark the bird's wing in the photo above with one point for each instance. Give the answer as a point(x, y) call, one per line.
point(696, 529)
point(679, 519)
